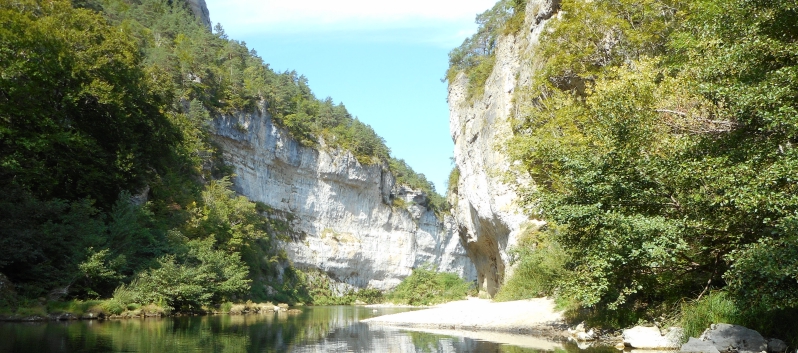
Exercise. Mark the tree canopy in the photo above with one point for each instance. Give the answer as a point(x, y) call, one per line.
point(110, 182)
point(661, 136)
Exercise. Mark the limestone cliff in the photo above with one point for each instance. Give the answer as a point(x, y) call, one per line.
point(488, 219)
point(342, 219)
point(200, 10)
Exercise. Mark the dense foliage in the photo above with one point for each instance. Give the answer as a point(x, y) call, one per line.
point(110, 184)
point(661, 136)
point(426, 286)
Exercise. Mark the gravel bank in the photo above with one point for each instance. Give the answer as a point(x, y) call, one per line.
point(535, 316)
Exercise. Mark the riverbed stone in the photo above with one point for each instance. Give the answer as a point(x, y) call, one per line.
point(776, 346)
point(580, 333)
point(695, 345)
point(734, 338)
point(643, 337)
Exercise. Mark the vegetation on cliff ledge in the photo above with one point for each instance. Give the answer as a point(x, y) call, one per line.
point(475, 57)
point(661, 136)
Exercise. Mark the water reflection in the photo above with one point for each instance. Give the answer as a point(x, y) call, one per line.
point(317, 329)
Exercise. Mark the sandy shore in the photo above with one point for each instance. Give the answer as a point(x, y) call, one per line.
point(535, 316)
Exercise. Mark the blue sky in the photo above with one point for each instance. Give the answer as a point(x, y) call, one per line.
point(383, 60)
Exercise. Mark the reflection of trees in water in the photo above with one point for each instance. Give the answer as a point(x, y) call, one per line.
point(320, 329)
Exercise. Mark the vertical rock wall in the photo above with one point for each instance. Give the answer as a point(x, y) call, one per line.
point(200, 10)
point(487, 217)
point(342, 217)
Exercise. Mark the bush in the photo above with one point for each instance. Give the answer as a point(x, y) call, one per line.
point(74, 307)
point(537, 274)
point(237, 309)
point(114, 306)
point(205, 277)
point(539, 264)
point(369, 295)
point(36, 310)
point(425, 286)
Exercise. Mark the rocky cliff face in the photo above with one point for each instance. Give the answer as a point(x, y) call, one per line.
point(341, 216)
point(200, 10)
point(487, 217)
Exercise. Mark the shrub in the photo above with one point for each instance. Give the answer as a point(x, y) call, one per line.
point(74, 307)
point(425, 286)
point(537, 273)
point(369, 295)
point(154, 309)
point(31, 308)
point(264, 307)
point(539, 264)
point(206, 277)
point(237, 309)
point(114, 306)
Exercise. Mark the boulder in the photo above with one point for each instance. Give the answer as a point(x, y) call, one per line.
point(776, 346)
point(695, 345)
point(642, 337)
point(734, 338)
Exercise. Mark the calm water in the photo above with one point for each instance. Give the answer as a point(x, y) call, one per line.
point(317, 329)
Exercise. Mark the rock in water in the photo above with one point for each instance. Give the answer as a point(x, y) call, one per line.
point(776, 346)
point(695, 345)
point(734, 338)
point(580, 334)
point(642, 337)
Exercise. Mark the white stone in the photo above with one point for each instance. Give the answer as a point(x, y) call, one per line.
point(342, 221)
point(695, 345)
point(642, 337)
point(735, 338)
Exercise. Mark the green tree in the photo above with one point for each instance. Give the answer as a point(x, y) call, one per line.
point(204, 276)
point(95, 127)
point(660, 136)
point(231, 219)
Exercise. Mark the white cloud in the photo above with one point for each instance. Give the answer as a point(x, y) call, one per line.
point(308, 16)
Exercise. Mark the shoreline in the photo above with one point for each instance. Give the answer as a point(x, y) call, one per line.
point(537, 317)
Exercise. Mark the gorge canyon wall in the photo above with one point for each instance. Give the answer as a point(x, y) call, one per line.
point(487, 215)
point(340, 211)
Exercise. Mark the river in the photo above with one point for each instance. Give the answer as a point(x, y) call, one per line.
point(316, 329)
